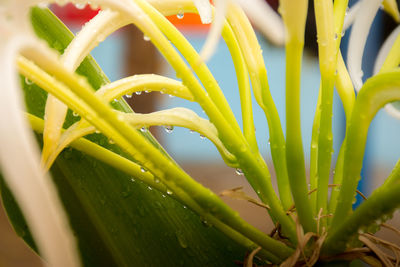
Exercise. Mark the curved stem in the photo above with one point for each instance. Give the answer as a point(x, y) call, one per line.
point(376, 92)
point(135, 170)
point(139, 148)
point(383, 201)
point(258, 75)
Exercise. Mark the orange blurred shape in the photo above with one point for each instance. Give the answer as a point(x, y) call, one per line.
point(190, 21)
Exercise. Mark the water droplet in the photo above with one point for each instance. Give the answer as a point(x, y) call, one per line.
point(181, 239)
point(239, 171)
point(138, 92)
point(180, 15)
point(143, 169)
point(169, 128)
point(169, 192)
point(269, 142)
point(184, 207)
point(143, 129)
point(205, 223)
point(27, 81)
point(342, 34)
point(164, 195)
point(110, 141)
point(75, 114)
point(171, 96)
point(128, 96)
point(147, 91)
point(97, 131)
point(146, 38)
point(156, 180)
point(80, 6)
point(202, 137)
point(133, 180)
point(336, 36)
point(191, 131)
point(150, 188)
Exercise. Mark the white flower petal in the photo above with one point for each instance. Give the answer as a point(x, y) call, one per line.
point(384, 51)
point(216, 29)
point(358, 38)
point(265, 19)
point(205, 10)
point(19, 159)
point(351, 15)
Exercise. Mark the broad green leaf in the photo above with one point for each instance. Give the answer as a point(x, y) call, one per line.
point(118, 220)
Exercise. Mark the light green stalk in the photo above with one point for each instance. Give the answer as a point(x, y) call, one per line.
point(102, 117)
point(253, 166)
point(376, 92)
point(382, 202)
point(129, 167)
point(294, 16)
point(345, 90)
point(327, 59)
point(258, 75)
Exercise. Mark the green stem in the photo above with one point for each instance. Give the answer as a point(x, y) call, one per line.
point(294, 146)
point(192, 57)
point(314, 154)
point(142, 150)
point(376, 92)
point(253, 166)
point(258, 75)
point(294, 17)
point(244, 87)
point(383, 201)
point(327, 59)
point(134, 169)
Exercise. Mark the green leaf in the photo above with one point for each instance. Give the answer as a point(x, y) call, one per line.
point(118, 220)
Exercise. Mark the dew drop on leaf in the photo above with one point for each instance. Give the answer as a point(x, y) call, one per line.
point(138, 92)
point(180, 15)
point(239, 172)
point(143, 129)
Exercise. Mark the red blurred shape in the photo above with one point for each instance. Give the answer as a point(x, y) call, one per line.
point(71, 15)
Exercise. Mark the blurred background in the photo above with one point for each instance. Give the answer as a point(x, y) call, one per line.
point(126, 52)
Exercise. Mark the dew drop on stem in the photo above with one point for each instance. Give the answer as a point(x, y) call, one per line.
point(138, 92)
point(146, 38)
point(27, 81)
point(202, 137)
point(239, 171)
point(143, 129)
point(180, 15)
point(143, 169)
point(169, 128)
point(128, 96)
